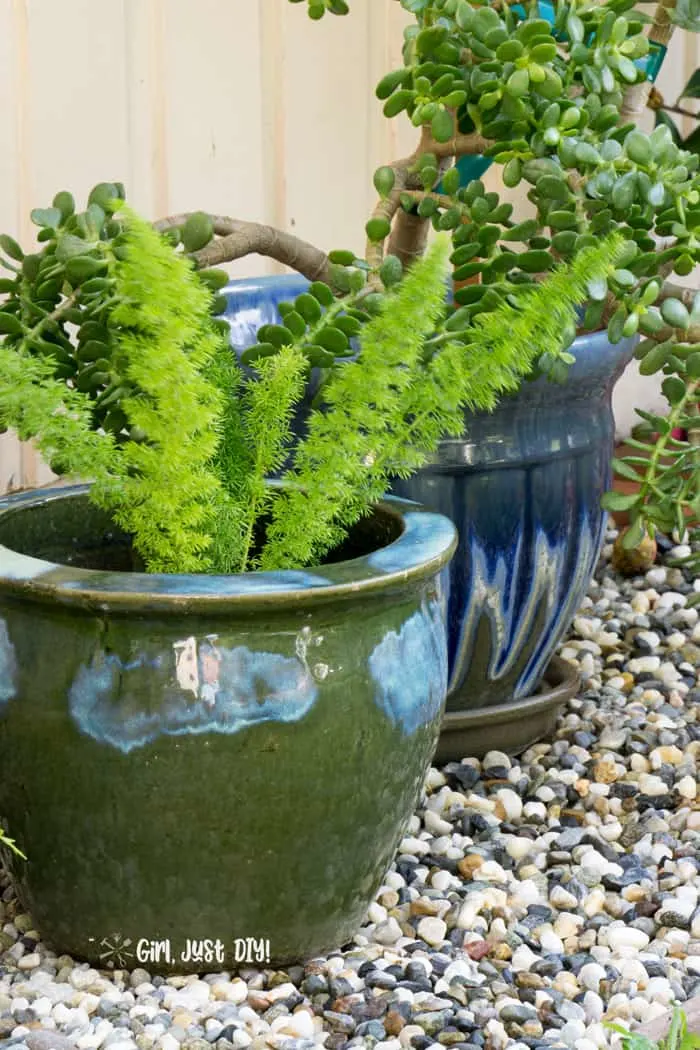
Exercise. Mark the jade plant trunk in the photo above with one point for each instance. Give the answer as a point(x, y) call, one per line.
point(206, 772)
point(523, 486)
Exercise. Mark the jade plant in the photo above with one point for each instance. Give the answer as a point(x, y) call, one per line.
point(551, 93)
point(113, 363)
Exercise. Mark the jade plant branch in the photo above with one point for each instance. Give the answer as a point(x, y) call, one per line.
point(235, 238)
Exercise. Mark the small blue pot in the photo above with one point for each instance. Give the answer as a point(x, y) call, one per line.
point(523, 487)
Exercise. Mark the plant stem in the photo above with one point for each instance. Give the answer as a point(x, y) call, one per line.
point(236, 239)
point(677, 412)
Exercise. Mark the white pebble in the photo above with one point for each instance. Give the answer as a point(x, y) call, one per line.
point(388, 932)
point(496, 760)
point(511, 802)
point(671, 600)
point(626, 938)
point(644, 664)
point(432, 930)
point(518, 847)
point(687, 787)
point(551, 943)
point(168, 1042)
point(590, 975)
point(300, 1025)
point(652, 785)
point(435, 824)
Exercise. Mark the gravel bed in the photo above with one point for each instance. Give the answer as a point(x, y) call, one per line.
point(529, 901)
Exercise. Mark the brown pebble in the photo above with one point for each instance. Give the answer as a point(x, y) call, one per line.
point(605, 771)
point(574, 814)
point(425, 906)
point(529, 980)
point(638, 559)
point(502, 951)
point(469, 864)
point(393, 1022)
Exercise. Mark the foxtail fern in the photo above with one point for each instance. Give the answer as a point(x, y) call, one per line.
point(165, 342)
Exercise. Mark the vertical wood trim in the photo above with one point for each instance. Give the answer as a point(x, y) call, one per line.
point(159, 109)
point(28, 462)
point(273, 115)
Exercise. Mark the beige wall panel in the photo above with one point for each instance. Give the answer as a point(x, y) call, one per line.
point(214, 144)
point(76, 109)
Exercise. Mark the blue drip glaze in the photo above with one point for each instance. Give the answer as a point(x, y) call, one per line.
point(410, 669)
point(251, 688)
point(8, 666)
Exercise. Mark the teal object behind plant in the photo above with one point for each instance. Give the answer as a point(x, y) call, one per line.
point(193, 757)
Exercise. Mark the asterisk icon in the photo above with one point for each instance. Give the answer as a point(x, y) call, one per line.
point(116, 951)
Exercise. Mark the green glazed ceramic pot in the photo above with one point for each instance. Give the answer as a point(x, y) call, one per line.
point(206, 772)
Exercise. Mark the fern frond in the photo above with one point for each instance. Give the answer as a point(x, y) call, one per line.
point(504, 345)
point(165, 340)
point(56, 418)
point(333, 481)
point(268, 406)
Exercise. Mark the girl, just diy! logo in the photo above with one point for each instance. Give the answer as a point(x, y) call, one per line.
point(120, 952)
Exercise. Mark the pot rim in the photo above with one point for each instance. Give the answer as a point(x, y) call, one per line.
point(424, 547)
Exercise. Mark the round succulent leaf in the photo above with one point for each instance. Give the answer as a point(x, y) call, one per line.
point(674, 389)
point(332, 339)
point(197, 231)
point(46, 217)
point(349, 325)
point(278, 335)
point(295, 323)
point(451, 181)
point(258, 350)
point(81, 267)
point(398, 102)
point(309, 307)
point(388, 84)
point(105, 194)
point(65, 203)
point(518, 83)
point(390, 271)
point(10, 247)
point(318, 356)
point(442, 126)
point(214, 279)
point(320, 291)
point(384, 180)
point(9, 324)
point(675, 313)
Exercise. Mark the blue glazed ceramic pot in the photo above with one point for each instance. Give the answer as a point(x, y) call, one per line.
point(195, 760)
point(523, 487)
